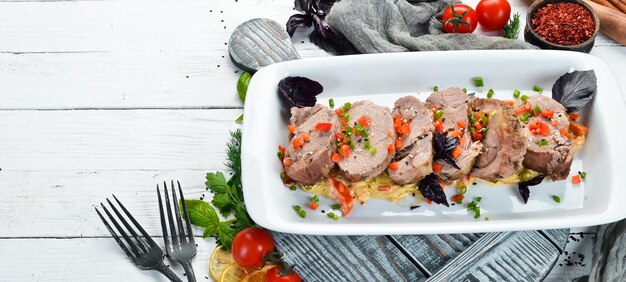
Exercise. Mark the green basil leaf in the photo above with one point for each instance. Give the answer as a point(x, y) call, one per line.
point(226, 235)
point(202, 214)
point(242, 85)
point(239, 119)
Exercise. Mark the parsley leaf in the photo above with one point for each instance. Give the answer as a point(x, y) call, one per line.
point(216, 182)
point(223, 202)
point(225, 235)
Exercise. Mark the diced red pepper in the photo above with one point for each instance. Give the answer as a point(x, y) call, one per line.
point(282, 149)
point(398, 143)
point(345, 151)
point(393, 166)
point(460, 124)
point(456, 133)
point(577, 128)
point(458, 197)
point(291, 128)
point(438, 125)
point(335, 157)
point(555, 122)
point(457, 152)
point(306, 137)
point(477, 136)
point(390, 133)
point(437, 167)
point(573, 116)
point(339, 135)
point(547, 113)
point(510, 103)
point(339, 111)
point(364, 121)
point(390, 149)
point(298, 143)
point(286, 162)
point(384, 188)
point(323, 126)
point(342, 194)
point(428, 201)
point(314, 205)
point(576, 179)
point(564, 132)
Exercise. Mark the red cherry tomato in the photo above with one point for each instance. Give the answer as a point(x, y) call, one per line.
point(273, 275)
point(493, 14)
point(251, 245)
point(462, 20)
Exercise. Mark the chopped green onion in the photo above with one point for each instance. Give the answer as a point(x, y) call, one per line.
point(359, 128)
point(280, 155)
point(315, 199)
point(463, 190)
point(524, 98)
point(516, 94)
point(556, 198)
point(302, 213)
point(536, 110)
point(331, 102)
point(366, 144)
point(478, 199)
point(478, 81)
point(483, 117)
point(484, 130)
point(486, 218)
point(472, 119)
point(493, 113)
point(293, 188)
point(332, 215)
point(490, 93)
point(543, 142)
point(524, 117)
point(537, 89)
point(464, 90)
point(438, 115)
point(459, 201)
point(525, 175)
point(436, 88)
point(583, 174)
point(373, 150)
point(346, 106)
point(335, 206)
point(472, 129)
point(296, 208)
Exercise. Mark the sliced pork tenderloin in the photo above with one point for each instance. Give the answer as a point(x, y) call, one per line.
point(505, 141)
point(413, 122)
point(453, 103)
point(364, 163)
point(307, 157)
point(551, 146)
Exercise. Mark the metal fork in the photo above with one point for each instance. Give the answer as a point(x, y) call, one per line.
point(181, 247)
point(142, 250)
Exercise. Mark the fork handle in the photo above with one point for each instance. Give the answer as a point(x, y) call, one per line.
point(191, 277)
point(167, 272)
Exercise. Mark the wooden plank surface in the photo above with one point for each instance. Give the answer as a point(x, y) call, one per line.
point(431, 252)
point(507, 256)
point(347, 258)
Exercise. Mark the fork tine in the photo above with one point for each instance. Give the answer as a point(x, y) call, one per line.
point(130, 216)
point(128, 227)
point(129, 241)
point(169, 216)
point(162, 215)
point(176, 207)
point(186, 215)
point(117, 238)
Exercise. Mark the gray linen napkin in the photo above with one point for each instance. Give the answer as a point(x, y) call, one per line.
point(377, 26)
point(609, 254)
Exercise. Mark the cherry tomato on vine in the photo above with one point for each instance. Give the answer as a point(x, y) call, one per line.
point(275, 275)
point(493, 14)
point(251, 245)
point(459, 18)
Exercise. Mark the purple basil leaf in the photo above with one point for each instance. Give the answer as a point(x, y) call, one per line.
point(431, 189)
point(325, 5)
point(303, 5)
point(333, 42)
point(299, 91)
point(297, 21)
point(524, 191)
point(444, 146)
point(573, 90)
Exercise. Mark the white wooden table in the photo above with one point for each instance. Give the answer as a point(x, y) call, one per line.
point(102, 97)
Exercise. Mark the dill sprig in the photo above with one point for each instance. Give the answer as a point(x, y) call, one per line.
point(511, 29)
point(233, 152)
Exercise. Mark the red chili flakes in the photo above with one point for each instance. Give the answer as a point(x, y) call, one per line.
point(563, 23)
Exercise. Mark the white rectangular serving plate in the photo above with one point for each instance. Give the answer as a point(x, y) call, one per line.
point(383, 78)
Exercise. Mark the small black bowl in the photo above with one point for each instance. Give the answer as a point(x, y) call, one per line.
point(531, 37)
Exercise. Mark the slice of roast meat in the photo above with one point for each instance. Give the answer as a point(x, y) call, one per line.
point(414, 154)
point(504, 144)
point(551, 147)
point(308, 163)
point(363, 163)
point(453, 102)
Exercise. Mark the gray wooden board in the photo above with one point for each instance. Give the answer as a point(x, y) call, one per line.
point(347, 258)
